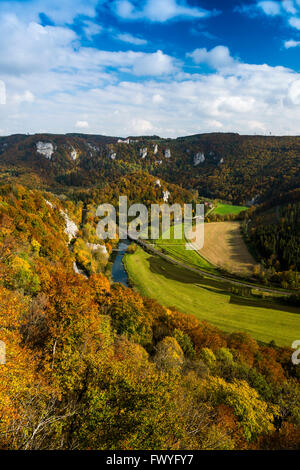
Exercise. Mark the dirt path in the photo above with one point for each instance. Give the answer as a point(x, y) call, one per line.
point(224, 247)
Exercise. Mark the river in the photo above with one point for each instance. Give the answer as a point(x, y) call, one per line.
point(118, 272)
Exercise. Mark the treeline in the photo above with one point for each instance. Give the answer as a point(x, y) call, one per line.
point(90, 365)
point(235, 168)
point(139, 187)
point(278, 241)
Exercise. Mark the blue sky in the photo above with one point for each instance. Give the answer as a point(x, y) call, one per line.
point(166, 67)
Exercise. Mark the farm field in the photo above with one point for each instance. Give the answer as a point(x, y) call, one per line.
point(224, 247)
point(224, 209)
point(175, 247)
point(209, 300)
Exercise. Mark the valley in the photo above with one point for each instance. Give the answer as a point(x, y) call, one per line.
point(125, 333)
point(211, 300)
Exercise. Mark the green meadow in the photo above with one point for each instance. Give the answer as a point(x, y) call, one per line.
point(211, 300)
point(174, 246)
point(224, 209)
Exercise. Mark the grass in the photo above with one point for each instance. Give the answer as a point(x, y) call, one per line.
point(211, 300)
point(176, 249)
point(224, 209)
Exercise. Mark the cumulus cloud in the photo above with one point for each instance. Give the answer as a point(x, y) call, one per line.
point(157, 10)
point(289, 6)
point(155, 64)
point(287, 9)
point(249, 99)
point(82, 124)
point(295, 22)
point(140, 126)
point(126, 37)
point(2, 92)
point(59, 11)
point(270, 8)
point(28, 48)
point(291, 43)
point(294, 92)
point(217, 58)
point(27, 96)
point(55, 85)
point(91, 29)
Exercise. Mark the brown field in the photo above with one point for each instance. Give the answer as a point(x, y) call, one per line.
point(224, 247)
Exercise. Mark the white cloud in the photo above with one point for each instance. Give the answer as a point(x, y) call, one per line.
point(291, 43)
point(245, 98)
point(54, 85)
point(287, 9)
point(82, 124)
point(157, 98)
point(91, 29)
point(126, 37)
point(27, 96)
point(289, 6)
point(294, 92)
point(31, 48)
point(295, 22)
point(217, 58)
point(59, 11)
point(157, 10)
point(155, 64)
point(140, 126)
point(2, 92)
point(270, 8)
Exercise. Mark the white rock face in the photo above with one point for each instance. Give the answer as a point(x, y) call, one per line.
point(71, 228)
point(112, 155)
point(74, 154)
point(49, 203)
point(45, 148)
point(93, 147)
point(167, 153)
point(155, 149)
point(143, 152)
point(166, 196)
point(95, 247)
point(77, 270)
point(199, 158)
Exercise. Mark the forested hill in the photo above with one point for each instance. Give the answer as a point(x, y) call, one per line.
point(241, 169)
point(93, 365)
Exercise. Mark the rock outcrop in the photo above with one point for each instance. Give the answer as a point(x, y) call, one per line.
point(166, 196)
point(112, 155)
point(143, 152)
point(78, 271)
point(97, 247)
point(71, 228)
point(199, 158)
point(167, 153)
point(45, 148)
point(74, 154)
